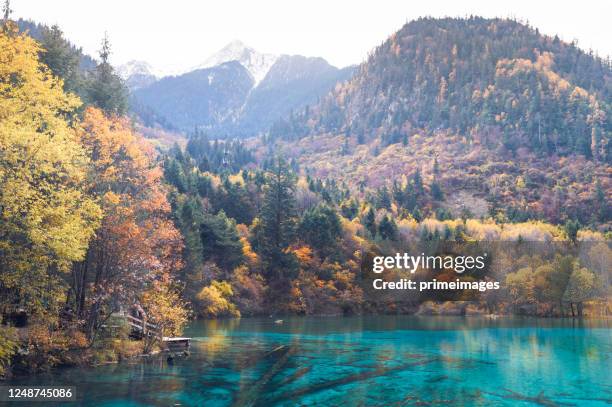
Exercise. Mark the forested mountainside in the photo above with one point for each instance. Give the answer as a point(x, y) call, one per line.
point(237, 92)
point(476, 76)
point(497, 118)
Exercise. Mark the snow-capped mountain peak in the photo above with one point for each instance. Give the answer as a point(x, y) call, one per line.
point(137, 68)
point(138, 74)
point(256, 63)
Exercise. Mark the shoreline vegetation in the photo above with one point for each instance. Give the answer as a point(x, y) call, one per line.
point(95, 220)
point(130, 350)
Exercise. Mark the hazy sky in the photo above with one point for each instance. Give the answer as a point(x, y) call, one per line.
point(178, 34)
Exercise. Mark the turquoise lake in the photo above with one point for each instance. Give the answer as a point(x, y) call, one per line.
point(364, 361)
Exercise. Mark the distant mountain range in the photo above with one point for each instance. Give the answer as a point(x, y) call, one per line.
point(235, 92)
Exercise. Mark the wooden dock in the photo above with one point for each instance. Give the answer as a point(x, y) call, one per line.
point(142, 328)
point(176, 344)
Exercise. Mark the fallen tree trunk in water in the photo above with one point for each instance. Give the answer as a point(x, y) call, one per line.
point(250, 396)
point(347, 380)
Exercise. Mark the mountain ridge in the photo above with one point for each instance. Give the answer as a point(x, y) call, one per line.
point(496, 119)
point(470, 75)
point(138, 74)
point(258, 64)
point(278, 85)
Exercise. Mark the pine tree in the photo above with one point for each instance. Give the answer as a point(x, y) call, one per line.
point(383, 199)
point(6, 12)
point(220, 241)
point(320, 228)
point(276, 230)
point(189, 216)
point(349, 208)
point(418, 182)
point(370, 222)
point(436, 191)
point(61, 58)
point(174, 175)
point(601, 203)
point(345, 146)
point(388, 229)
point(106, 89)
point(571, 229)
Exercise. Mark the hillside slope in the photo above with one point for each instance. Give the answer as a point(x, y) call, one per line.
point(497, 77)
point(495, 118)
point(204, 97)
point(291, 83)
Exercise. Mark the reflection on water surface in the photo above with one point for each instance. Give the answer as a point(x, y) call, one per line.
point(370, 361)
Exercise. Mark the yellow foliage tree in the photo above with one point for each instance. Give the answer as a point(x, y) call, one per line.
point(165, 309)
point(46, 217)
point(215, 300)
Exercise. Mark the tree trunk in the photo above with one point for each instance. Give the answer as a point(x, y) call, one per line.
point(83, 287)
point(79, 280)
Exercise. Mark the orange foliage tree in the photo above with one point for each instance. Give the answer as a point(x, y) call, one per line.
point(137, 242)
